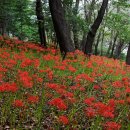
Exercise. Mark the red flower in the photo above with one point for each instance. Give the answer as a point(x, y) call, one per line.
point(59, 103)
point(53, 86)
point(18, 103)
point(63, 119)
point(72, 69)
point(89, 101)
point(112, 126)
point(26, 62)
point(48, 57)
point(33, 99)
point(127, 90)
point(25, 79)
point(8, 87)
point(90, 112)
point(105, 110)
point(96, 87)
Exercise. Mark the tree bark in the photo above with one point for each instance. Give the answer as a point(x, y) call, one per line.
point(110, 44)
point(75, 30)
point(128, 56)
point(61, 27)
point(97, 43)
point(102, 41)
point(40, 19)
point(113, 46)
point(118, 49)
point(88, 18)
point(94, 28)
point(109, 48)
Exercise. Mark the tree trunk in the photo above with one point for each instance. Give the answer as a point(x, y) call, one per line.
point(128, 56)
point(109, 48)
point(94, 28)
point(110, 44)
point(102, 41)
point(75, 30)
point(60, 25)
point(40, 19)
point(113, 46)
point(97, 43)
point(88, 17)
point(118, 50)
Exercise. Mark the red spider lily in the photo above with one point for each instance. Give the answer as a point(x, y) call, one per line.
point(60, 91)
point(59, 103)
point(48, 57)
point(82, 89)
point(117, 84)
point(3, 69)
point(18, 103)
point(36, 63)
point(104, 110)
point(111, 126)
point(50, 75)
point(90, 112)
point(89, 64)
point(118, 94)
point(84, 76)
point(10, 63)
point(121, 102)
point(72, 69)
point(96, 87)
point(53, 86)
point(8, 87)
point(127, 90)
point(25, 79)
point(89, 101)
point(68, 94)
point(33, 99)
point(60, 67)
point(64, 119)
point(26, 62)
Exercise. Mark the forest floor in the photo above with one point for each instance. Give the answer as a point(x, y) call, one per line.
point(40, 91)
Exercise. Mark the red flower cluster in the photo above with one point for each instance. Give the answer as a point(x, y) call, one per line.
point(25, 79)
point(18, 103)
point(26, 62)
point(33, 99)
point(89, 101)
point(8, 87)
point(106, 111)
point(111, 126)
point(63, 119)
point(59, 103)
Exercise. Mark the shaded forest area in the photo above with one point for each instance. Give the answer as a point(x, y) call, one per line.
point(99, 27)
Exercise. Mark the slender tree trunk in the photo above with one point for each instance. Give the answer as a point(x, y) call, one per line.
point(94, 28)
point(110, 45)
point(61, 27)
point(113, 46)
point(97, 43)
point(128, 56)
point(102, 42)
point(88, 18)
point(40, 19)
point(109, 48)
point(118, 50)
point(75, 30)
